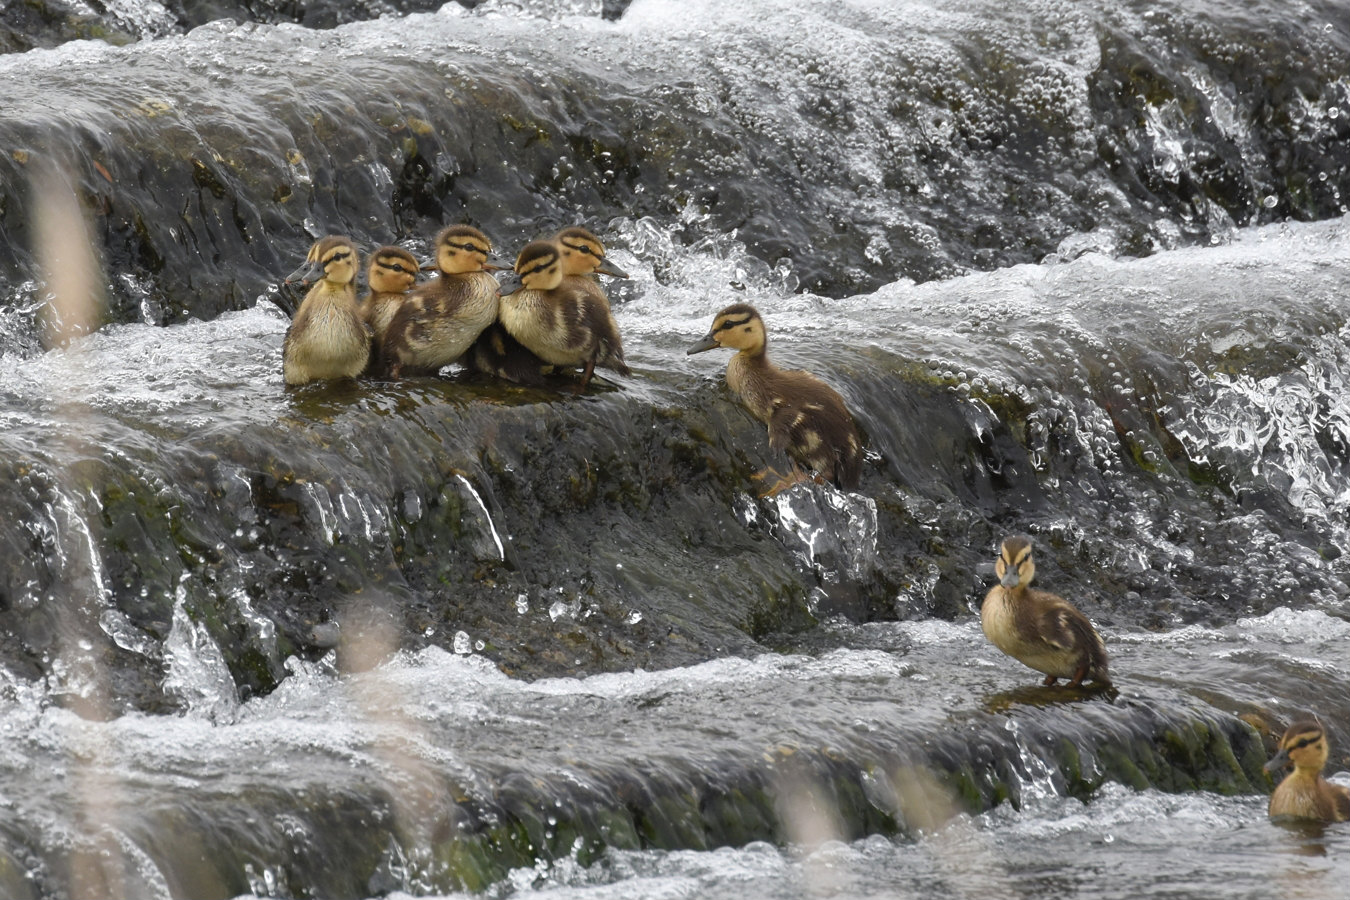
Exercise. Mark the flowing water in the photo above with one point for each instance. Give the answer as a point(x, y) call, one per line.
point(1078, 268)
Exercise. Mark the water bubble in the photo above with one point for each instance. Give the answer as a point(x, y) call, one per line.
point(1270, 201)
point(463, 643)
point(522, 604)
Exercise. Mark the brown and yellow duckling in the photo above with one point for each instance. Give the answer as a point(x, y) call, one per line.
point(392, 273)
point(1038, 628)
point(437, 322)
point(558, 318)
point(499, 354)
point(1304, 793)
point(328, 337)
point(807, 419)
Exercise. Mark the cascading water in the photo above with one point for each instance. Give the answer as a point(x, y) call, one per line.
point(1078, 268)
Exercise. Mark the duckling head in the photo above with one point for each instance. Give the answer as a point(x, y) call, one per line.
point(1304, 746)
point(461, 249)
point(392, 270)
point(583, 254)
point(738, 327)
point(332, 258)
point(1014, 565)
point(538, 268)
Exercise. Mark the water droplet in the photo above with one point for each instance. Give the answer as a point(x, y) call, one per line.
point(522, 604)
point(463, 643)
point(1270, 201)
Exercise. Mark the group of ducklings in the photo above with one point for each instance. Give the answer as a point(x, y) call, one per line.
point(551, 314)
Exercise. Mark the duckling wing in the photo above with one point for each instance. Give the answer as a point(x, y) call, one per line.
point(810, 423)
point(1065, 628)
point(1341, 801)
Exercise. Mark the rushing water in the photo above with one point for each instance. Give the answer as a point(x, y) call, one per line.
point(1079, 269)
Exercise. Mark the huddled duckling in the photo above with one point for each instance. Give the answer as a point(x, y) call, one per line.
point(1305, 794)
point(564, 323)
point(1040, 629)
point(437, 322)
point(328, 337)
point(807, 419)
point(392, 273)
point(499, 354)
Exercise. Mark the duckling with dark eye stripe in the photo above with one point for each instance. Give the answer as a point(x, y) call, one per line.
point(392, 273)
point(1305, 794)
point(1040, 629)
point(437, 322)
point(564, 323)
point(807, 419)
point(328, 338)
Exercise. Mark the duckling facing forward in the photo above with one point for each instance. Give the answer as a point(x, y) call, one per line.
point(328, 337)
point(437, 322)
point(1040, 629)
point(807, 418)
point(392, 273)
point(565, 321)
point(1305, 794)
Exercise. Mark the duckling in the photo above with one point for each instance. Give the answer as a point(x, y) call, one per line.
point(392, 273)
point(1040, 629)
point(564, 324)
point(328, 338)
point(437, 322)
point(497, 353)
point(806, 417)
point(1305, 794)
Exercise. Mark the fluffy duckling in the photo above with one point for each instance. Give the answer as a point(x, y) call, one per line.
point(564, 324)
point(807, 418)
point(1040, 629)
point(328, 338)
point(1305, 794)
point(437, 322)
point(392, 273)
point(499, 354)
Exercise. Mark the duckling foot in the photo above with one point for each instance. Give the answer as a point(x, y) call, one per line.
point(1051, 679)
point(781, 483)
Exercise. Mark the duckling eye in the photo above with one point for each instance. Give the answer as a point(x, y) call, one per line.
point(467, 248)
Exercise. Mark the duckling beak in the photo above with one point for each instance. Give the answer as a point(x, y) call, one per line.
point(1278, 761)
point(493, 263)
point(1010, 578)
point(608, 268)
point(708, 343)
point(510, 284)
point(310, 271)
point(429, 266)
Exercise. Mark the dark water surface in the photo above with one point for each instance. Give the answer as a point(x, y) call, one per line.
point(1078, 268)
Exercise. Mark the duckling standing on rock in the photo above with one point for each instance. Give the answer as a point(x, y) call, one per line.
point(392, 273)
point(437, 322)
point(807, 418)
point(328, 338)
point(1040, 629)
point(1305, 794)
point(564, 321)
point(499, 354)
